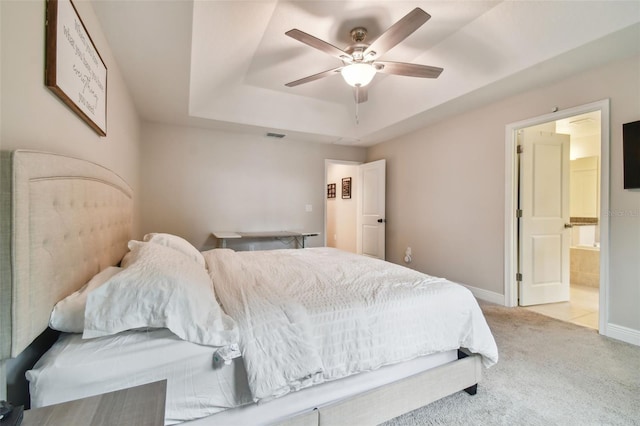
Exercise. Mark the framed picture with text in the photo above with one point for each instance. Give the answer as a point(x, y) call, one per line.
point(74, 70)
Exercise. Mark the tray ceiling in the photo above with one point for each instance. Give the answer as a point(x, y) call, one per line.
point(224, 64)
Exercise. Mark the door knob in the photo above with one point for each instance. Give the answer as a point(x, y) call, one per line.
point(382, 220)
point(568, 225)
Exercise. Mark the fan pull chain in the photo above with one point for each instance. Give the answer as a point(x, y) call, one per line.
point(357, 104)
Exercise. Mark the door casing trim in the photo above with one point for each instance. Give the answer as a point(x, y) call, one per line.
point(511, 187)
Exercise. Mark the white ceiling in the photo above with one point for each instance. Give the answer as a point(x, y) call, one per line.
point(224, 64)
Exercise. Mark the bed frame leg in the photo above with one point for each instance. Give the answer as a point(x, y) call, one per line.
point(471, 390)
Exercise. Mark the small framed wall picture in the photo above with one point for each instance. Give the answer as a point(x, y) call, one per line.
point(331, 190)
point(346, 187)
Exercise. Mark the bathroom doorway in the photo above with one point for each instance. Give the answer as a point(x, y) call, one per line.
point(580, 305)
point(580, 232)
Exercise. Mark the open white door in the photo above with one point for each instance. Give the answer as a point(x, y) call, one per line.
point(544, 205)
point(371, 209)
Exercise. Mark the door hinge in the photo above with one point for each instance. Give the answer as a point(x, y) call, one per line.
point(519, 213)
point(519, 149)
point(518, 276)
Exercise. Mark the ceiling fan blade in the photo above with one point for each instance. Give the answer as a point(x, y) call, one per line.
point(361, 94)
point(316, 43)
point(396, 33)
point(411, 70)
point(314, 77)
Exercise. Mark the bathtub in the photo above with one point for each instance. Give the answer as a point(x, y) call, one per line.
point(585, 265)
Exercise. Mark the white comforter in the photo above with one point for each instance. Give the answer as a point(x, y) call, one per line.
point(312, 315)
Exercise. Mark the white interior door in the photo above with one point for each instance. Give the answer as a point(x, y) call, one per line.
point(544, 201)
point(371, 209)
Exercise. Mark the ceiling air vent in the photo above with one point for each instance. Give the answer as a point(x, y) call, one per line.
point(580, 121)
point(275, 135)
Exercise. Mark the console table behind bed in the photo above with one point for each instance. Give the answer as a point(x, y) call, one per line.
point(65, 219)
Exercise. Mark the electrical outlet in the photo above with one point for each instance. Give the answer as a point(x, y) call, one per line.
point(407, 255)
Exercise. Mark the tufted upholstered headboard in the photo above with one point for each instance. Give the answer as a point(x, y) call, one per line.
point(62, 220)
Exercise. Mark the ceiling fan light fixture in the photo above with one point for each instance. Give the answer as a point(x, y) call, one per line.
point(358, 75)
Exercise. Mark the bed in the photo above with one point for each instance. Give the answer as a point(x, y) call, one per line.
point(309, 354)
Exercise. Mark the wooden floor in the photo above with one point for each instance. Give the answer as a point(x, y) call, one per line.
point(582, 309)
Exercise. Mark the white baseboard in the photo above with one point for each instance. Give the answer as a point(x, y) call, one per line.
point(487, 296)
point(613, 331)
point(625, 334)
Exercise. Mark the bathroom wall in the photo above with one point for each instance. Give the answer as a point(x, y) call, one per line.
point(585, 198)
point(585, 175)
point(585, 189)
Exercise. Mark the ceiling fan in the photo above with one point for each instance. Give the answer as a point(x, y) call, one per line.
point(360, 59)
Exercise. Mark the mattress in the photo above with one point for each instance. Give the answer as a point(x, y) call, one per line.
point(197, 387)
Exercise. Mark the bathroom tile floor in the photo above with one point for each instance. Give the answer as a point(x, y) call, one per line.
point(582, 309)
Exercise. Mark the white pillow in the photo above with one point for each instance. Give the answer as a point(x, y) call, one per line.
point(159, 289)
point(176, 243)
point(68, 314)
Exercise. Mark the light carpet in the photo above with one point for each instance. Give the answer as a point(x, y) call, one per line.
point(550, 373)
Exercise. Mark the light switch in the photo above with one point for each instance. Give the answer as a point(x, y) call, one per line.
point(308, 208)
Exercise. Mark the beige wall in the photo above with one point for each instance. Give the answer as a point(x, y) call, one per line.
point(585, 146)
point(32, 117)
point(446, 186)
point(197, 180)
